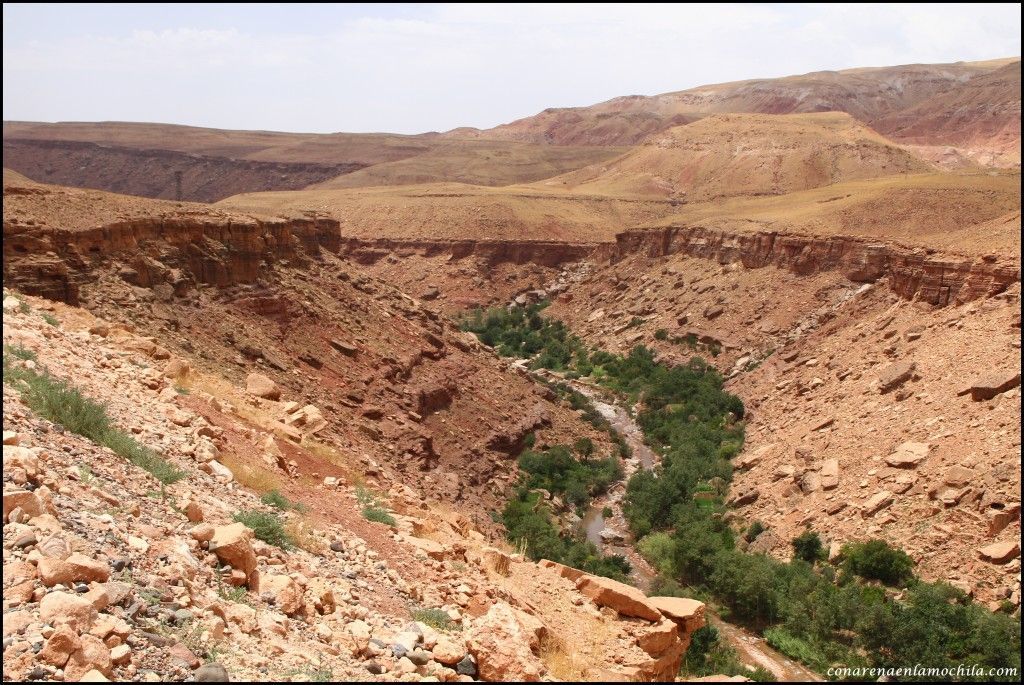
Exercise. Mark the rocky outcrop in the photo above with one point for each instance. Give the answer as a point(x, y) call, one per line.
point(914, 274)
point(175, 251)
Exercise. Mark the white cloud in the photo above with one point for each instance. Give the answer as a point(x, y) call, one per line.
point(413, 69)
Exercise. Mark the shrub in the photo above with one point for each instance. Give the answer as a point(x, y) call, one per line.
point(267, 526)
point(755, 529)
point(379, 515)
point(275, 499)
point(807, 546)
point(876, 560)
point(373, 508)
point(50, 319)
point(438, 619)
point(661, 334)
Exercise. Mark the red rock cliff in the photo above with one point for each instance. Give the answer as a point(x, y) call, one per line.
point(913, 273)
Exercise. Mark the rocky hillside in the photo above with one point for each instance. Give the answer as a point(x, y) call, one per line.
point(113, 573)
point(878, 405)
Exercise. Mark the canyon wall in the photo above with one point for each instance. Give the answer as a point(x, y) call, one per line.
point(913, 273)
point(171, 250)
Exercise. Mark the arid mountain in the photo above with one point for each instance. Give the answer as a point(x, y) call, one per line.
point(189, 163)
point(887, 99)
point(746, 154)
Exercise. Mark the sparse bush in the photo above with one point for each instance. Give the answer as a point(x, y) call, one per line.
point(438, 619)
point(661, 334)
point(50, 319)
point(266, 526)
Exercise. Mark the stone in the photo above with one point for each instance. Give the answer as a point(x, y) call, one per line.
point(345, 348)
point(625, 599)
point(687, 613)
point(987, 387)
point(18, 457)
point(92, 655)
point(569, 572)
point(876, 503)
point(26, 500)
point(176, 368)
point(504, 643)
point(121, 654)
point(286, 592)
point(76, 568)
point(658, 637)
point(233, 546)
point(1000, 552)
point(829, 474)
point(60, 646)
point(259, 385)
point(467, 667)
point(743, 497)
point(448, 651)
point(212, 672)
point(203, 532)
point(895, 375)
point(908, 455)
point(58, 608)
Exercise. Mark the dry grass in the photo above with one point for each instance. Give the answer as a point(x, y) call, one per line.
point(350, 466)
point(254, 477)
point(561, 664)
point(305, 536)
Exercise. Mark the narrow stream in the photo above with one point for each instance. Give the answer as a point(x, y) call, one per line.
point(611, 536)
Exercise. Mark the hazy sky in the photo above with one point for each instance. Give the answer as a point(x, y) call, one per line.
point(415, 68)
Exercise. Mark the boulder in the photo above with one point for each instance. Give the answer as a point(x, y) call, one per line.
point(569, 572)
point(743, 497)
point(876, 503)
point(62, 644)
point(895, 375)
point(76, 568)
point(1000, 552)
point(259, 385)
point(448, 651)
point(26, 500)
point(908, 455)
point(64, 608)
point(687, 613)
point(625, 599)
point(505, 643)
point(233, 546)
point(987, 387)
point(177, 368)
point(829, 474)
point(286, 593)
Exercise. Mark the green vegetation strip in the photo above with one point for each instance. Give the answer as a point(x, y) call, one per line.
point(63, 404)
point(867, 610)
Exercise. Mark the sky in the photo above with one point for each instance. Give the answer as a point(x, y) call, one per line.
point(411, 68)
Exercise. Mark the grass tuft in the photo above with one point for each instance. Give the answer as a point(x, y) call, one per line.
point(267, 526)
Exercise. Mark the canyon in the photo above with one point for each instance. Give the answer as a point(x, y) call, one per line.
point(285, 335)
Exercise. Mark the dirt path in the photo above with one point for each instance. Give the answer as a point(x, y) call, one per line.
point(751, 649)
